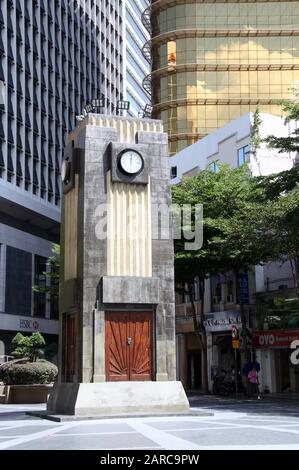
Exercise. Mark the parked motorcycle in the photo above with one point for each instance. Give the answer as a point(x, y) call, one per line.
point(224, 384)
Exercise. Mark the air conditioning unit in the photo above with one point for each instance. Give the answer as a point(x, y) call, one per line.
point(229, 298)
point(215, 299)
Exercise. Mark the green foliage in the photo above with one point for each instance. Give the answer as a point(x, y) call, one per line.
point(279, 313)
point(256, 139)
point(28, 346)
point(277, 184)
point(234, 231)
point(281, 193)
point(17, 373)
point(291, 143)
point(52, 287)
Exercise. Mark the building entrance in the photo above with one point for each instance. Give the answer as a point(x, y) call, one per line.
point(128, 346)
point(283, 370)
point(194, 369)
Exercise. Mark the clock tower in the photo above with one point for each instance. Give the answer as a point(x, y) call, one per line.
point(117, 324)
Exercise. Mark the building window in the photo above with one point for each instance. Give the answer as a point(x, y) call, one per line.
point(174, 172)
point(18, 283)
point(40, 267)
point(214, 167)
point(242, 155)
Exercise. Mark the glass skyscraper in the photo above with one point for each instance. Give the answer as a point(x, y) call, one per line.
point(213, 61)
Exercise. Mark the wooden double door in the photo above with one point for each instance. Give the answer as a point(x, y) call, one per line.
point(129, 346)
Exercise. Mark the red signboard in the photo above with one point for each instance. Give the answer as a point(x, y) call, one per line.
point(274, 338)
point(235, 332)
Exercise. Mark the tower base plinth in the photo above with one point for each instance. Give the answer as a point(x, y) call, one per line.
point(116, 398)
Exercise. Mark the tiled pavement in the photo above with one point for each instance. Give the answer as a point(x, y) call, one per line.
point(236, 424)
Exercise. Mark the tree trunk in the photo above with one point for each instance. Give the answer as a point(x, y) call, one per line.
point(295, 268)
point(204, 361)
point(242, 314)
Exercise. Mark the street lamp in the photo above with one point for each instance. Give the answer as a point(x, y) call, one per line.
point(147, 111)
point(88, 108)
point(122, 106)
point(97, 104)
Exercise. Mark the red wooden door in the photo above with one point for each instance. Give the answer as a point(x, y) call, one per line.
point(128, 346)
point(70, 348)
point(117, 353)
point(140, 350)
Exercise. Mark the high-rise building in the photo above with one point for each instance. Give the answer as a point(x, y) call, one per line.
point(56, 56)
point(136, 66)
point(213, 61)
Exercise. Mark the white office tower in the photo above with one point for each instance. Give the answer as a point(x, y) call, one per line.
point(136, 66)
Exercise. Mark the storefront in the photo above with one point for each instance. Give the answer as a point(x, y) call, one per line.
point(278, 374)
point(221, 354)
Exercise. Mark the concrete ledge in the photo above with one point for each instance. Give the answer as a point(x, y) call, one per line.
point(65, 418)
point(117, 398)
point(122, 290)
point(23, 394)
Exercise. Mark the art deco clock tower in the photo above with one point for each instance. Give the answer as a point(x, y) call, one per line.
point(117, 324)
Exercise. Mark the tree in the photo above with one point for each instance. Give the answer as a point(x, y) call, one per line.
point(282, 193)
point(283, 190)
point(255, 137)
point(234, 220)
point(52, 287)
point(291, 143)
point(28, 347)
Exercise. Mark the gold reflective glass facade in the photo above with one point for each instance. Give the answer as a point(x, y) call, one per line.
point(213, 61)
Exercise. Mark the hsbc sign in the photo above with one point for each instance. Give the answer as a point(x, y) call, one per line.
point(18, 323)
point(275, 338)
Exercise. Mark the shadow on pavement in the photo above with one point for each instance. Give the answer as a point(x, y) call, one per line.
point(15, 415)
point(267, 405)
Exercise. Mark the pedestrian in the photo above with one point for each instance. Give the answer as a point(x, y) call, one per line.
point(253, 381)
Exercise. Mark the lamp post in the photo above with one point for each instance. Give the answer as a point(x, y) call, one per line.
point(147, 111)
point(122, 105)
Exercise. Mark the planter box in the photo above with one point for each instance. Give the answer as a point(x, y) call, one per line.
point(24, 394)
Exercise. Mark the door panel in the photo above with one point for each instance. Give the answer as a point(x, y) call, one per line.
point(117, 353)
point(140, 348)
point(128, 346)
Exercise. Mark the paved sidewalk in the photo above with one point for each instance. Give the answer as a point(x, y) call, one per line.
point(236, 424)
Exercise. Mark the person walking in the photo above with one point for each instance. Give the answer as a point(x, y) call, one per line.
point(253, 380)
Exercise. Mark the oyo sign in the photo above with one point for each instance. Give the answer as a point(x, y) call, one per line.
point(275, 338)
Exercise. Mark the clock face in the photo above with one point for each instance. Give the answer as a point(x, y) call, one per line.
point(131, 162)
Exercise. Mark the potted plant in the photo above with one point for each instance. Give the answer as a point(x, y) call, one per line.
point(28, 378)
